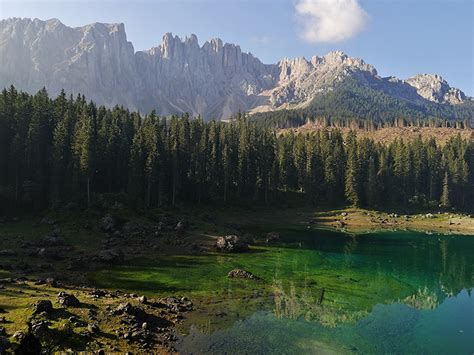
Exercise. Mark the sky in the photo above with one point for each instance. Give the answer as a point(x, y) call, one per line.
point(399, 37)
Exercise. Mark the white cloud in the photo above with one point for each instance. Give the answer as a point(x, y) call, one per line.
point(330, 20)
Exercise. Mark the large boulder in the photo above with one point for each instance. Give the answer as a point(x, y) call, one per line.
point(180, 227)
point(68, 300)
point(272, 237)
point(48, 253)
point(49, 221)
point(231, 244)
point(39, 327)
point(241, 274)
point(42, 306)
point(7, 252)
point(110, 256)
point(52, 239)
point(108, 223)
point(27, 343)
point(132, 227)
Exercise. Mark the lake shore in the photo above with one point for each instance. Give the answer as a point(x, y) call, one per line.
point(68, 249)
point(360, 221)
point(351, 220)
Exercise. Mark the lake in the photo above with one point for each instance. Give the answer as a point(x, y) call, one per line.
point(322, 292)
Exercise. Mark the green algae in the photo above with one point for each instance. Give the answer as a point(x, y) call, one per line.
point(333, 287)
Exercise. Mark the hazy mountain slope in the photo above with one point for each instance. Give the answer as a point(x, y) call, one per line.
point(215, 80)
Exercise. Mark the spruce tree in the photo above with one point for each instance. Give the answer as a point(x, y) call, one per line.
point(352, 171)
point(444, 202)
point(84, 150)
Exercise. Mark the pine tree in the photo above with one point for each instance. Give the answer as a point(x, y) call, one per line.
point(61, 156)
point(372, 185)
point(352, 171)
point(243, 154)
point(84, 150)
point(299, 158)
point(175, 160)
point(444, 202)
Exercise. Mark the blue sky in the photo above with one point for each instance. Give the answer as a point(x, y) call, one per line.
point(399, 37)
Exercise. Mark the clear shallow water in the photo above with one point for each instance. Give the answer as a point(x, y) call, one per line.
point(323, 292)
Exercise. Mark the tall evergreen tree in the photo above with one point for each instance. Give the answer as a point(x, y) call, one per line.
point(84, 150)
point(352, 179)
point(444, 202)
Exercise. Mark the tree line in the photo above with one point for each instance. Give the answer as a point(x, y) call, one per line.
point(54, 151)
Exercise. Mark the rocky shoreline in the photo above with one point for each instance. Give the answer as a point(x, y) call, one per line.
point(87, 319)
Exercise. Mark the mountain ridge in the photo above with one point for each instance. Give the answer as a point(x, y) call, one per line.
point(215, 79)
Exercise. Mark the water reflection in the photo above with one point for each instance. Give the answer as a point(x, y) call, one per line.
point(442, 265)
point(323, 289)
point(375, 293)
point(423, 299)
point(307, 303)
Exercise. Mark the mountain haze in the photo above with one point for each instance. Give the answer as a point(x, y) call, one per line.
point(215, 80)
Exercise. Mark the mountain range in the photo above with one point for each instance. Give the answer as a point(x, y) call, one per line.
point(214, 80)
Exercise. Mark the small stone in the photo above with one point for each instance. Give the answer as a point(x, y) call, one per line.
point(18, 335)
point(136, 334)
point(241, 274)
point(51, 282)
point(98, 293)
point(93, 328)
point(142, 299)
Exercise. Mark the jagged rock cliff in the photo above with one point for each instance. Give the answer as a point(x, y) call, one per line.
point(214, 80)
point(433, 88)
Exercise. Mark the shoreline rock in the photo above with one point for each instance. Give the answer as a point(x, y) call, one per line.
point(231, 244)
point(241, 274)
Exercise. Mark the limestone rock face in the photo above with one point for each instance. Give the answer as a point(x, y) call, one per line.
point(300, 80)
point(215, 80)
point(434, 88)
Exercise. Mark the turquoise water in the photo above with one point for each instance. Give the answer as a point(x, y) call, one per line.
point(324, 292)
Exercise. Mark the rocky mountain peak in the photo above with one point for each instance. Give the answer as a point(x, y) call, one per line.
point(53, 24)
point(434, 88)
point(192, 40)
point(214, 45)
point(214, 80)
point(340, 59)
point(170, 45)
